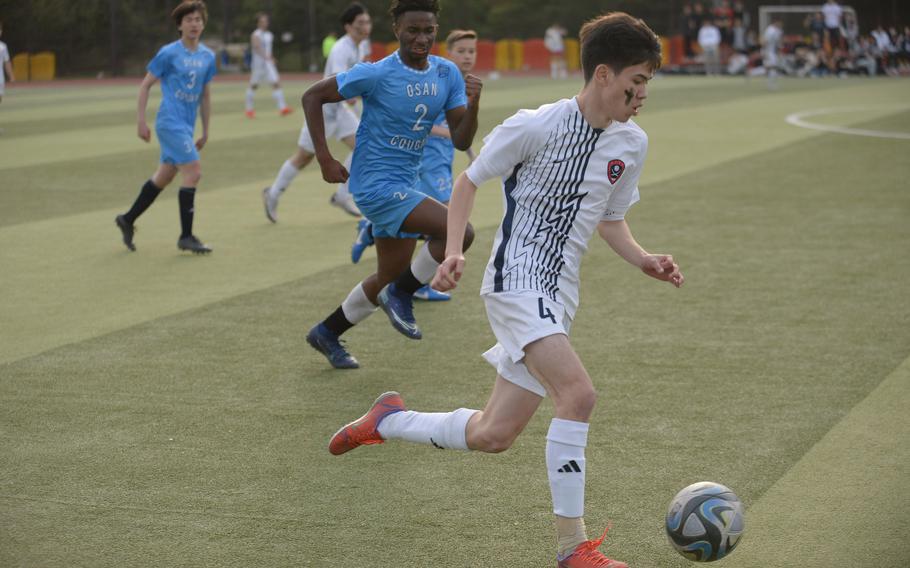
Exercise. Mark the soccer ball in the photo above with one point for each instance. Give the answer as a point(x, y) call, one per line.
point(705, 521)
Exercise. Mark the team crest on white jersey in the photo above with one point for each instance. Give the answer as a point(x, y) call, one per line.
point(615, 169)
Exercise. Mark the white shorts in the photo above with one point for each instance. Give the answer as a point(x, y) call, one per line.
point(264, 73)
point(340, 122)
point(517, 319)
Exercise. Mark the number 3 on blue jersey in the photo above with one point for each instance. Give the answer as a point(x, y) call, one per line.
point(545, 312)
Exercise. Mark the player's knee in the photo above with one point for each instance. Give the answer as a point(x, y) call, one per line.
point(468, 236)
point(494, 441)
point(191, 179)
point(577, 401)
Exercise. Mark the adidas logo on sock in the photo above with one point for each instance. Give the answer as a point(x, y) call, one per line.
point(570, 467)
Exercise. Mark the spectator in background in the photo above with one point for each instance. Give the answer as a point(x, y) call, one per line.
point(688, 30)
point(740, 39)
point(884, 50)
point(739, 11)
point(553, 40)
point(5, 65)
point(816, 26)
point(833, 13)
point(851, 31)
point(723, 19)
point(709, 41)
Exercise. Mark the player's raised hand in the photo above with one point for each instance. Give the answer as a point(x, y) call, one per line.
point(143, 131)
point(333, 171)
point(662, 267)
point(472, 87)
point(448, 273)
point(201, 142)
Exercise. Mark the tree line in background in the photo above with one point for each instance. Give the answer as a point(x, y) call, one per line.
point(120, 36)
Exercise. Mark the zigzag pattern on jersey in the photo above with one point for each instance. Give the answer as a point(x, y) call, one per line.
point(548, 190)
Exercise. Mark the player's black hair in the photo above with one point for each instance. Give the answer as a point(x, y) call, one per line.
point(350, 13)
point(188, 7)
point(260, 15)
point(399, 7)
point(619, 41)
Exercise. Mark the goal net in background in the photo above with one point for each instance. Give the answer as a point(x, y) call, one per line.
point(795, 18)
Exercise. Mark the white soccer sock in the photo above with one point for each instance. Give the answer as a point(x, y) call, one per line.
point(445, 430)
point(278, 95)
point(356, 306)
point(566, 441)
point(343, 193)
point(250, 93)
point(424, 266)
point(286, 175)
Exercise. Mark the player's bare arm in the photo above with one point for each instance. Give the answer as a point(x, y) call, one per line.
point(205, 109)
point(142, 128)
point(659, 266)
point(449, 272)
point(325, 91)
point(463, 120)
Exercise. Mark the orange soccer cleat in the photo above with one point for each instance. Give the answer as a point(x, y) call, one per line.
point(586, 555)
point(285, 111)
point(364, 431)
point(250, 114)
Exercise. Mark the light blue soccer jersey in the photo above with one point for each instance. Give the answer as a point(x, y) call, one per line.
point(436, 165)
point(183, 74)
point(400, 105)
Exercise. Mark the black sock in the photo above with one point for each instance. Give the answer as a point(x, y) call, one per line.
point(407, 282)
point(337, 323)
point(146, 197)
point(186, 197)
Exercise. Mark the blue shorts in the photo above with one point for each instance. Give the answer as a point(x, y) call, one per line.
point(437, 183)
point(387, 210)
point(177, 146)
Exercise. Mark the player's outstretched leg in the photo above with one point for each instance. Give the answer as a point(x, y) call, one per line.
point(365, 430)
point(362, 241)
point(127, 222)
point(270, 204)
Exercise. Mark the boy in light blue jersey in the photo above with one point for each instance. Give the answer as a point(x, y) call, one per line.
point(185, 69)
point(436, 164)
point(402, 96)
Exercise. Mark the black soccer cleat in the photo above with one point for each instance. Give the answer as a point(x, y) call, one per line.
point(128, 231)
point(194, 245)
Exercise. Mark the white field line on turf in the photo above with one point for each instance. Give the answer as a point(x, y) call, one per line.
point(796, 119)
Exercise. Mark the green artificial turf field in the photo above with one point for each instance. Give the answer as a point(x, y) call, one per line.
point(160, 409)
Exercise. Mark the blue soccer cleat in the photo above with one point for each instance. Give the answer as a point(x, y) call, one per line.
point(428, 294)
point(363, 240)
point(400, 309)
point(327, 343)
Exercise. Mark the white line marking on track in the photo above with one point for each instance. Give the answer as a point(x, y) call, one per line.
point(797, 119)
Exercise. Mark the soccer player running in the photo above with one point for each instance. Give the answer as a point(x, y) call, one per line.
point(568, 168)
point(5, 66)
point(339, 120)
point(438, 154)
point(185, 69)
point(263, 67)
point(403, 95)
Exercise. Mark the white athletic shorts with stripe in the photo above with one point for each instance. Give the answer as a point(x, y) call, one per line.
point(264, 73)
point(340, 122)
point(517, 319)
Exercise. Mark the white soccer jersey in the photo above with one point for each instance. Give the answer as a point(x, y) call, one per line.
point(4, 57)
point(265, 42)
point(561, 177)
point(365, 49)
point(344, 55)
